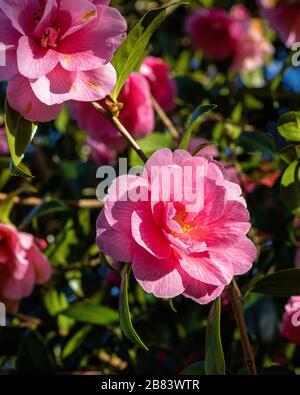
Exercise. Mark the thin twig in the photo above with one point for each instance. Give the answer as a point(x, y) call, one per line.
point(35, 201)
point(166, 120)
point(122, 130)
point(237, 306)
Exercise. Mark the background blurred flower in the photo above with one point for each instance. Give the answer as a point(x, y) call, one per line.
point(174, 249)
point(216, 33)
point(283, 18)
point(58, 51)
point(163, 88)
point(291, 316)
point(22, 265)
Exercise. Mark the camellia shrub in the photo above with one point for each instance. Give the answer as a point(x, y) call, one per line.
point(150, 187)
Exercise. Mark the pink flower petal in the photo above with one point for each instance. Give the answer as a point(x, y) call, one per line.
point(61, 85)
point(34, 61)
point(200, 292)
point(22, 98)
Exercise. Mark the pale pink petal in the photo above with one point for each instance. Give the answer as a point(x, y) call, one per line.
point(203, 268)
point(21, 98)
point(40, 264)
point(48, 18)
point(120, 246)
point(162, 157)
point(148, 235)
point(11, 67)
point(61, 85)
point(27, 283)
point(157, 276)
point(34, 61)
point(20, 12)
point(81, 50)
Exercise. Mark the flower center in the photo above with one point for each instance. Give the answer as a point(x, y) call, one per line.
point(180, 218)
point(50, 36)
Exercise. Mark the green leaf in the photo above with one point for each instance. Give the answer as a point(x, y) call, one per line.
point(19, 171)
point(290, 187)
point(194, 122)
point(33, 357)
point(257, 142)
point(289, 126)
point(283, 283)
point(19, 131)
point(214, 357)
point(75, 342)
point(48, 207)
point(132, 50)
point(288, 154)
point(125, 318)
point(92, 313)
point(196, 369)
point(149, 145)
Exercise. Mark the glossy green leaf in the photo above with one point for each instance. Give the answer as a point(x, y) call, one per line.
point(288, 154)
point(19, 171)
point(257, 142)
point(132, 50)
point(92, 313)
point(289, 126)
point(214, 356)
point(194, 123)
point(19, 131)
point(75, 342)
point(283, 283)
point(290, 187)
point(125, 317)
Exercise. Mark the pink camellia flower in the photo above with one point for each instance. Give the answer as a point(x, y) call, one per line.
point(290, 325)
point(101, 154)
point(137, 115)
point(163, 88)
point(215, 32)
point(181, 224)
point(284, 18)
point(22, 265)
point(4, 148)
point(58, 50)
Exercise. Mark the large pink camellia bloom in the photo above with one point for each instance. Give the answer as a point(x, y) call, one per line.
point(215, 32)
point(163, 88)
point(283, 18)
point(181, 224)
point(22, 265)
point(137, 115)
point(290, 325)
point(58, 50)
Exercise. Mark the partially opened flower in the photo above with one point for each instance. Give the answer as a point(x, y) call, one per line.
point(284, 18)
point(58, 50)
point(4, 148)
point(290, 325)
point(137, 115)
point(22, 264)
point(181, 224)
point(163, 87)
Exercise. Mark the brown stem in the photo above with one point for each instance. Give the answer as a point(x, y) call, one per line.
point(124, 132)
point(166, 120)
point(35, 201)
point(237, 306)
